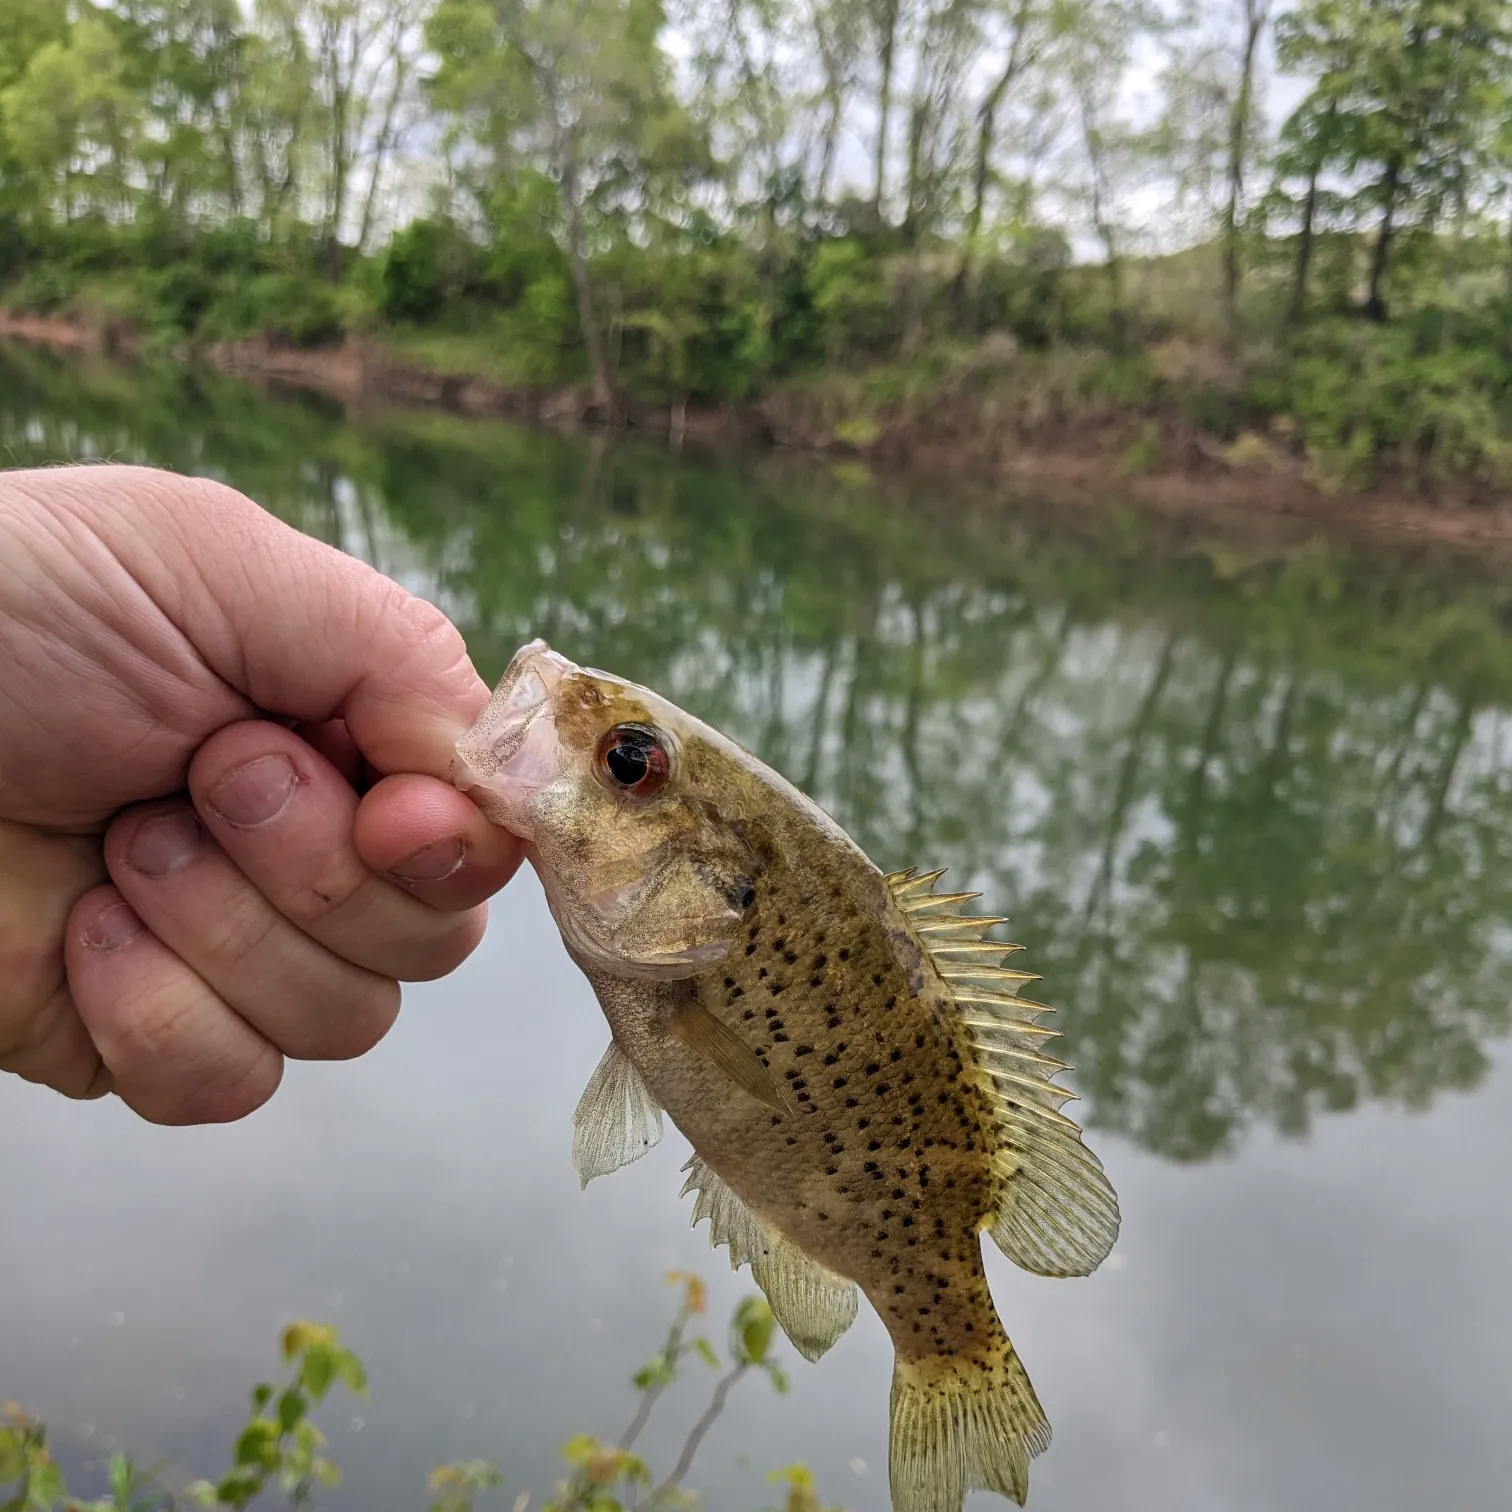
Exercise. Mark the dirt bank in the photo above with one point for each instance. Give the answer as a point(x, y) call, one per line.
point(1081, 466)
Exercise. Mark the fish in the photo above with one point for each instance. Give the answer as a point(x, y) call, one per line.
point(864, 1086)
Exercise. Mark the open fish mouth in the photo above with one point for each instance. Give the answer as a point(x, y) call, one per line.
point(512, 751)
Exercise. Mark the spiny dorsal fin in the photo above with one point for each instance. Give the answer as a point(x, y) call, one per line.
point(1057, 1213)
point(813, 1305)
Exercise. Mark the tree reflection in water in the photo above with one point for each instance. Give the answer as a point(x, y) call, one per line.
point(1249, 812)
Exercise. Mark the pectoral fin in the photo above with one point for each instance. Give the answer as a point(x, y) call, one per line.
point(617, 1119)
point(693, 1026)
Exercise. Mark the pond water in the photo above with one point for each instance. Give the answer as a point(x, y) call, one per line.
point(1248, 805)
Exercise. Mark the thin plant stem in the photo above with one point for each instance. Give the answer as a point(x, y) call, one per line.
point(695, 1438)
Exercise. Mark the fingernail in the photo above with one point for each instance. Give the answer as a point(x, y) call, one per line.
point(113, 927)
point(165, 844)
point(432, 863)
point(256, 793)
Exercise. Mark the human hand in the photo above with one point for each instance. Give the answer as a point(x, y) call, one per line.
point(196, 879)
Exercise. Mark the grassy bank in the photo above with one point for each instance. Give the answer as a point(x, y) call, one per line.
point(1171, 427)
point(1035, 389)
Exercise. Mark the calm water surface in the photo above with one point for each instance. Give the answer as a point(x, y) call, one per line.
point(1248, 809)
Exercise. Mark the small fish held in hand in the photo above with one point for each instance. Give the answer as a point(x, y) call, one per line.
point(864, 1089)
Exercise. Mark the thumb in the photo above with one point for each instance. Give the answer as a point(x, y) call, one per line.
point(299, 628)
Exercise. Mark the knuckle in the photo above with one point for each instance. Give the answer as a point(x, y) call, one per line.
point(441, 955)
point(235, 1091)
point(355, 1030)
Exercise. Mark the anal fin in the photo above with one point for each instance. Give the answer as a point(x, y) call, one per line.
point(812, 1305)
point(617, 1119)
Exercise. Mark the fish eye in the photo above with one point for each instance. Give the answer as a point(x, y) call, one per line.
point(634, 760)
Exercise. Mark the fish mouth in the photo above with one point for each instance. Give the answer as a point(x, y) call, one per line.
point(511, 751)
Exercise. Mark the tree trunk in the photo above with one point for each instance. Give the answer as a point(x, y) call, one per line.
point(1304, 251)
point(383, 147)
point(582, 284)
point(1112, 264)
point(1375, 306)
point(913, 191)
point(1509, 258)
point(827, 155)
point(1254, 22)
point(884, 100)
point(987, 112)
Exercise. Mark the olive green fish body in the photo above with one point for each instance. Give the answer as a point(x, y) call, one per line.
point(864, 1089)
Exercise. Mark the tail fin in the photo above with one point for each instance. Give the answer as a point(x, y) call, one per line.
point(962, 1425)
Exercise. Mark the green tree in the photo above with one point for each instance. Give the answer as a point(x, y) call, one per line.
point(1411, 94)
point(72, 121)
point(581, 86)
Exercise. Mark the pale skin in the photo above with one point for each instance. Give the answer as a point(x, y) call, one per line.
point(226, 833)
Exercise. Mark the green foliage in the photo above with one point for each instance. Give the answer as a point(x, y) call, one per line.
point(673, 235)
point(280, 1447)
point(1373, 401)
point(430, 265)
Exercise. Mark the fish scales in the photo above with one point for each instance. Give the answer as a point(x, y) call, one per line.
point(890, 1163)
point(863, 1088)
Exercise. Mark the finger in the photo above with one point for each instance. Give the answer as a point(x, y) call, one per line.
point(42, 1037)
point(177, 1054)
point(334, 741)
point(299, 628)
point(300, 997)
point(435, 842)
point(282, 813)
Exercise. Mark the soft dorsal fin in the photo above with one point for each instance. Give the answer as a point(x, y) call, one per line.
point(1057, 1213)
point(813, 1305)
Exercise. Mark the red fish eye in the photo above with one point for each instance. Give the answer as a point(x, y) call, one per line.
point(634, 760)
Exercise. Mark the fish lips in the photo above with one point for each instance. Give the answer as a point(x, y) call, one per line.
point(512, 751)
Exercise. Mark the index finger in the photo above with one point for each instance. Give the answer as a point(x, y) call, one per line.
point(301, 629)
